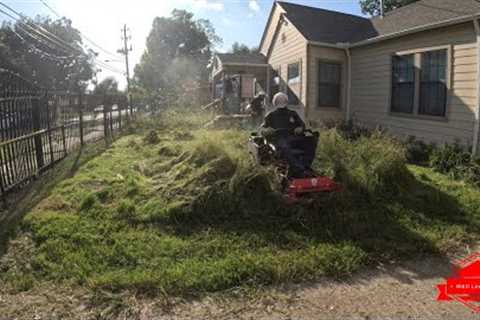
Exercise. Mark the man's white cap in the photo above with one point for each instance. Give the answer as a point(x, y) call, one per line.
point(280, 100)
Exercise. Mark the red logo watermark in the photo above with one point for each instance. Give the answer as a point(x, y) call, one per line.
point(464, 285)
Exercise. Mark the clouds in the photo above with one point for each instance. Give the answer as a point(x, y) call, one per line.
point(209, 5)
point(253, 5)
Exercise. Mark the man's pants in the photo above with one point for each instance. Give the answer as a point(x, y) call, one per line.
point(298, 151)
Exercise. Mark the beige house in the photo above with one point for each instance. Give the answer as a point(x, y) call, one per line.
point(413, 72)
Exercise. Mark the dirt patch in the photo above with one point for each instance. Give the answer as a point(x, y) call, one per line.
point(396, 291)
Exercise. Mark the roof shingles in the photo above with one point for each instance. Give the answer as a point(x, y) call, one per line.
point(335, 27)
point(234, 58)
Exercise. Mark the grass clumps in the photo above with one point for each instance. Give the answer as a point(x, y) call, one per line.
point(371, 164)
point(193, 213)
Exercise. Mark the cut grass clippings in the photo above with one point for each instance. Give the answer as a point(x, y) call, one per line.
point(181, 210)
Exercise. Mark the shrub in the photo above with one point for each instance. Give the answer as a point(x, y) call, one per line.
point(417, 151)
point(455, 161)
point(348, 129)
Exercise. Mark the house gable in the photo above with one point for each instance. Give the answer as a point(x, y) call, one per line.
point(271, 28)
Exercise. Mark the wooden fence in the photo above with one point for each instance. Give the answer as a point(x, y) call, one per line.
point(38, 128)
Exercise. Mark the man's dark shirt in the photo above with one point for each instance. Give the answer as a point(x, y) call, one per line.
point(283, 118)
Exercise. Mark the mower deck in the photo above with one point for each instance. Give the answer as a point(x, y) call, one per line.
point(300, 187)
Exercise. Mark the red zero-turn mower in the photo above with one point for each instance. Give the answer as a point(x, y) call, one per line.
point(295, 186)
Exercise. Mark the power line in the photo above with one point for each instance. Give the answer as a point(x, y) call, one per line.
point(66, 47)
point(82, 34)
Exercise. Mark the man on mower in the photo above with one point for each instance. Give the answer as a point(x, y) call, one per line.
point(286, 130)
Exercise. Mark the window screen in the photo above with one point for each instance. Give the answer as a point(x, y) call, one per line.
point(293, 73)
point(433, 84)
point(329, 75)
point(403, 83)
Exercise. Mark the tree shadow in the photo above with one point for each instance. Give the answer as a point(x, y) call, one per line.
point(389, 228)
point(20, 202)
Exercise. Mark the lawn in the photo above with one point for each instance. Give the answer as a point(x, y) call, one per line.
point(174, 208)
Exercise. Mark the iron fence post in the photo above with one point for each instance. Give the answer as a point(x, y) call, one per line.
point(105, 125)
point(49, 127)
point(80, 115)
point(37, 137)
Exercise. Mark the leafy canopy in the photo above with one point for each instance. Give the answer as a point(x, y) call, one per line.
point(58, 67)
point(372, 7)
point(242, 48)
point(177, 52)
point(107, 86)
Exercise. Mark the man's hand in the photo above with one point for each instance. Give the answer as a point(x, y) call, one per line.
point(298, 130)
point(268, 132)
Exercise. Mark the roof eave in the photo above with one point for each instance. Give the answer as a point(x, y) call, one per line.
point(339, 45)
point(266, 26)
point(415, 30)
point(236, 64)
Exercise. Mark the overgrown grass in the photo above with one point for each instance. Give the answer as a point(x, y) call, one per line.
point(179, 209)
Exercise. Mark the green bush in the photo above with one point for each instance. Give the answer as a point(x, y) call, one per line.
point(454, 160)
point(348, 129)
point(417, 151)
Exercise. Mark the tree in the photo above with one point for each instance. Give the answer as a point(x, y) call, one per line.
point(242, 48)
point(177, 52)
point(107, 86)
point(64, 66)
point(372, 7)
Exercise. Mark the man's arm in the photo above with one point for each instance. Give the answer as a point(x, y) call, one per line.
point(298, 121)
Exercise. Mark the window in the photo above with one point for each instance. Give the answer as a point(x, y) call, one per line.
point(420, 83)
point(403, 83)
point(433, 85)
point(329, 85)
point(293, 73)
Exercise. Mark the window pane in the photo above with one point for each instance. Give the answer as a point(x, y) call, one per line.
point(293, 73)
point(433, 87)
point(329, 84)
point(329, 95)
point(403, 83)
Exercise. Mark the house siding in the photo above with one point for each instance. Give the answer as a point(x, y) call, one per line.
point(316, 113)
point(371, 85)
point(289, 46)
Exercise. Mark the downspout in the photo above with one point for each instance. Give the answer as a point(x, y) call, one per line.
point(476, 128)
point(348, 112)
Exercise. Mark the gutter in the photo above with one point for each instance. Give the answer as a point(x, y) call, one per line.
point(426, 27)
point(348, 112)
point(476, 127)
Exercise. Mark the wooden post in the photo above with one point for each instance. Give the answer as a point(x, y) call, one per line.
point(80, 115)
point(37, 137)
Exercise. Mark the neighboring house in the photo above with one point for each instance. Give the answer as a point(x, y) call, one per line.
point(413, 72)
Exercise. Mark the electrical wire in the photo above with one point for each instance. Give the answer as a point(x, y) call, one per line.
point(44, 2)
point(66, 47)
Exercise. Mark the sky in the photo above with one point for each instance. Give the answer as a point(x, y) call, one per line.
point(102, 20)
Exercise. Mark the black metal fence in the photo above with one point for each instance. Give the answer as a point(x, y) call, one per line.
point(39, 128)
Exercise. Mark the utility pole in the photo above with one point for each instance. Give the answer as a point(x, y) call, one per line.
point(382, 13)
point(125, 51)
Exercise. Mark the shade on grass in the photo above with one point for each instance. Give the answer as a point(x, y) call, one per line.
point(188, 211)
